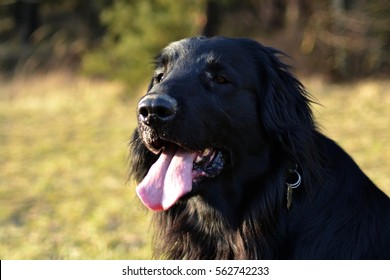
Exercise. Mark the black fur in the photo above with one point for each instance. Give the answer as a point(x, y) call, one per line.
point(260, 116)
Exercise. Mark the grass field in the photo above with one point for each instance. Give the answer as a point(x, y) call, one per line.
point(63, 158)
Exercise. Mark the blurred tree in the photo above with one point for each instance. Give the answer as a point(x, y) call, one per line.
point(351, 38)
point(27, 20)
point(340, 38)
point(90, 11)
point(247, 17)
point(213, 19)
point(136, 31)
point(47, 34)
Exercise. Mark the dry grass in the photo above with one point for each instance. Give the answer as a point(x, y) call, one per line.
point(63, 191)
point(63, 172)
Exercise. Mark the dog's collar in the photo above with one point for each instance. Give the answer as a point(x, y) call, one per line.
point(294, 180)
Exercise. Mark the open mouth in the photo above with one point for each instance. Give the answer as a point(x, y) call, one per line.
point(176, 172)
point(207, 163)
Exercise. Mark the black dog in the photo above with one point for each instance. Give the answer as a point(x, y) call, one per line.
point(227, 148)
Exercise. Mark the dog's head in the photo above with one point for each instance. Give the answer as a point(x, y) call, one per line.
point(217, 110)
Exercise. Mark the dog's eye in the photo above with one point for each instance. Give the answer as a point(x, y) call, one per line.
point(220, 80)
point(159, 77)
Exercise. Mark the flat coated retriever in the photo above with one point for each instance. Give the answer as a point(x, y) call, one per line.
point(228, 155)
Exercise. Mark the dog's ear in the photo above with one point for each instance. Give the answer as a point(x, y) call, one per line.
point(285, 104)
point(285, 110)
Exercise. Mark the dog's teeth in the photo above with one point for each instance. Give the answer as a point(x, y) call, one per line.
point(207, 152)
point(198, 159)
point(203, 155)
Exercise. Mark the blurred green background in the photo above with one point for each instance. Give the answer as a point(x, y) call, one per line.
point(70, 76)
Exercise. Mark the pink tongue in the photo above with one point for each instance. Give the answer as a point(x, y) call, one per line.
point(169, 178)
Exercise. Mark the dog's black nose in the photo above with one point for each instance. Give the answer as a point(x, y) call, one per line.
point(156, 109)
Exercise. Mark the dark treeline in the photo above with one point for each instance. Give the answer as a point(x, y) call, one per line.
point(342, 39)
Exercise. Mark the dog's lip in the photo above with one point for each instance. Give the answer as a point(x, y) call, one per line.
point(158, 144)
